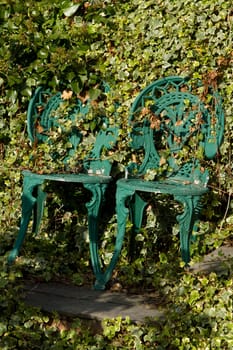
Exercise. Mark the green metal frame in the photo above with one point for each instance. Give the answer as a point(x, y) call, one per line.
point(95, 175)
point(166, 117)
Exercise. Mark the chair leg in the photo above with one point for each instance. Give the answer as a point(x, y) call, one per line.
point(136, 209)
point(93, 208)
point(197, 210)
point(28, 202)
point(38, 209)
point(122, 212)
point(186, 221)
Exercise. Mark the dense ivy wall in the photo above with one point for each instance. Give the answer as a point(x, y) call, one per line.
point(75, 45)
point(126, 43)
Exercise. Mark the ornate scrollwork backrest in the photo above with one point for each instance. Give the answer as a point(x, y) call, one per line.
point(46, 115)
point(174, 126)
point(43, 114)
point(47, 122)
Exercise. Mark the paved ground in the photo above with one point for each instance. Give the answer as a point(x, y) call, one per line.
point(86, 303)
point(90, 304)
point(217, 261)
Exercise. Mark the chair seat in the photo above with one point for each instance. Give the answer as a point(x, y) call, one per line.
point(169, 186)
point(70, 177)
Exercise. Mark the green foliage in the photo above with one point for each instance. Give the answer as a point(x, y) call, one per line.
point(75, 45)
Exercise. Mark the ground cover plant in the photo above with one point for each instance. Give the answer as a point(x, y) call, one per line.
point(75, 46)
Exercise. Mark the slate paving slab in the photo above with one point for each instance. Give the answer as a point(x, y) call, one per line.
point(90, 304)
point(87, 303)
point(217, 261)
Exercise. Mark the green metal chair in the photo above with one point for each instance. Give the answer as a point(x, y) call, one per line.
point(175, 123)
point(94, 174)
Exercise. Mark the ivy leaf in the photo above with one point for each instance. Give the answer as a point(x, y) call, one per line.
point(94, 93)
point(70, 11)
point(194, 296)
point(3, 328)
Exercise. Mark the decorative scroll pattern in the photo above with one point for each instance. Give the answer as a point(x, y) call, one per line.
point(93, 207)
point(170, 123)
point(122, 212)
point(186, 221)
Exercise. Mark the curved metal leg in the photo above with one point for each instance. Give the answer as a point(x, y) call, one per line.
point(136, 209)
point(38, 209)
point(122, 213)
point(93, 208)
point(197, 210)
point(28, 202)
point(186, 221)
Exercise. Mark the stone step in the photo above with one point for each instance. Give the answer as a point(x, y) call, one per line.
point(87, 303)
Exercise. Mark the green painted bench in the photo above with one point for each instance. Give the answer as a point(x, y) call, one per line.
point(175, 123)
point(43, 117)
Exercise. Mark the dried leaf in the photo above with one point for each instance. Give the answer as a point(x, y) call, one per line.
point(177, 139)
point(39, 128)
point(162, 161)
point(145, 111)
point(179, 122)
point(134, 158)
point(40, 108)
point(155, 122)
point(66, 95)
point(83, 98)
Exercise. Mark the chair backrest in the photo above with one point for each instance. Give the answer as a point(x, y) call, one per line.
point(51, 118)
point(175, 123)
